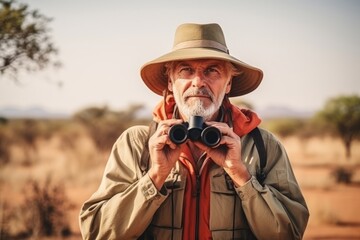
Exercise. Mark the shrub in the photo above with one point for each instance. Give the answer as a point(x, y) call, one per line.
point(44, 210)
point(5, 142)
point(5, 218)
point(105, 125)
point(285, 127)
point(342, 175)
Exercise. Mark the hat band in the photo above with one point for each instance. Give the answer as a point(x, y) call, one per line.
point(201, 44)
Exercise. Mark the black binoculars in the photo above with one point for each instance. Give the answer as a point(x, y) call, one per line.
point(195, 130)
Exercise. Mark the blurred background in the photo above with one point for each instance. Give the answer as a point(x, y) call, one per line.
point(70, 84)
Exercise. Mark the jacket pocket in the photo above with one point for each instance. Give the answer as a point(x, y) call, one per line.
point(169, 214)
point(226, 212)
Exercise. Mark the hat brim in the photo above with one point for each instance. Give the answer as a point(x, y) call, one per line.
point(153, 73)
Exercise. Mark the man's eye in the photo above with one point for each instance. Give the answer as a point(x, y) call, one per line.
point(212, 70)
point(185, 69)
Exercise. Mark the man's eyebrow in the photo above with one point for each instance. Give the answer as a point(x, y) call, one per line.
point(216, 65)
point(182, 64)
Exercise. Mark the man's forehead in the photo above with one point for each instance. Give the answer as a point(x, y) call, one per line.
point(201, 62)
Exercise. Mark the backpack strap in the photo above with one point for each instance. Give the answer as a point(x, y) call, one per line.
point(260, 146)
point(145, 155)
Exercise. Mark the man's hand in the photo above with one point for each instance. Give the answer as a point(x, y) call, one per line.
point(163, 152)
point(228, 153)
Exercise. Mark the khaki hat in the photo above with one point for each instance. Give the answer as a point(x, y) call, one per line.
point(200, 41)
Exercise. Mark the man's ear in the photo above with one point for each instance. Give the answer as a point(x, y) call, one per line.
point(170, 85)
point(228, 86)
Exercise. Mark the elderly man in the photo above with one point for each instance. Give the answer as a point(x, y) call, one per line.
point(241, 187)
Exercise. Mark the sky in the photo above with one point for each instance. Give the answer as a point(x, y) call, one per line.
point(308, 50)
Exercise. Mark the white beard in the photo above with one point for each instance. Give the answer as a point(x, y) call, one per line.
point(197, 108)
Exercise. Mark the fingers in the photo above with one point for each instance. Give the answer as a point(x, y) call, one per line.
point(225, 130)
point(161, 138)
point(164, 126)
point(163, 152)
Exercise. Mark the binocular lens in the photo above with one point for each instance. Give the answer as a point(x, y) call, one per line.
point(178, 133)
point(211, 136)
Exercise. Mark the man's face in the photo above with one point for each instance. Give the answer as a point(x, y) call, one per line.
point(199, 87)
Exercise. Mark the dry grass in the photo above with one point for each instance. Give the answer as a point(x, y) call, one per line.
point(333, 206)
point(334, 211)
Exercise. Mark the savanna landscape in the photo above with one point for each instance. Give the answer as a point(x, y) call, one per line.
point(50, 167)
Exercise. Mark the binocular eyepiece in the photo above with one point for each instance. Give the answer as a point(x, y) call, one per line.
point(195, 130)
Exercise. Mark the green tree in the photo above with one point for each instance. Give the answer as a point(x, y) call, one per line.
point(342, 116)
point(25, 43)
point(286, 127)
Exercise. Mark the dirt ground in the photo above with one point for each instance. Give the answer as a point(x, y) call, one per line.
point(334, 207)
point(334, 212)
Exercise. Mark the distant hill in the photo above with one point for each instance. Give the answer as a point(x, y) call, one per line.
point(32, 112)
point(283, 112)
point(41, 113)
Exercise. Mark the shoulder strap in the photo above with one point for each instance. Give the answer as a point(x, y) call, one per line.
point(145, 155)
point(260, 146)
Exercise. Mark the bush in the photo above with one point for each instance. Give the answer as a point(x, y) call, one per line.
point(5, 143)
point(342, 175)
point(44, 210)
point(5, 218)
point(105, 125)
point(285, 127)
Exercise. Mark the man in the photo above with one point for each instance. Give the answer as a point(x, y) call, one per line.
point(192, 190)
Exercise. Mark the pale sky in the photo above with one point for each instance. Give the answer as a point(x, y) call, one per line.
point(308, 50)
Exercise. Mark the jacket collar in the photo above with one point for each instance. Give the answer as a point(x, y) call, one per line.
point(241, 120)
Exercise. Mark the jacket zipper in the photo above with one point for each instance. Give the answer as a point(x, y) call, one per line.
point(198, 189)
point(197, 206)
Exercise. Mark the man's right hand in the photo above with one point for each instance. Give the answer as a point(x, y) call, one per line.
point(163, 152)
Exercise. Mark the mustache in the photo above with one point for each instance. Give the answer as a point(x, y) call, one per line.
point(198, 91)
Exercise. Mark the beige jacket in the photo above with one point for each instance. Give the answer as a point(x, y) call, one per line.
point(127, 202)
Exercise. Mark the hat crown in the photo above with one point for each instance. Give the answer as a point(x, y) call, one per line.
point(190, 35)
point(200, 41)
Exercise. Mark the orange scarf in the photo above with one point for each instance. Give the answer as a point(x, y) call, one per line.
point(243, 122)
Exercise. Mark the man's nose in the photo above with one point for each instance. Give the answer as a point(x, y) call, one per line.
point(198, 80)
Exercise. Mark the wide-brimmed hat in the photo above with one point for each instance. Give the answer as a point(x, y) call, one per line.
point(200, 41)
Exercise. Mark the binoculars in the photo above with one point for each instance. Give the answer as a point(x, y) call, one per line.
point(195, 130)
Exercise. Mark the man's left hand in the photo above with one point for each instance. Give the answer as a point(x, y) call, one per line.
point(228, 153)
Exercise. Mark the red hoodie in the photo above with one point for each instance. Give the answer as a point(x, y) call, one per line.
point(243, 122)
